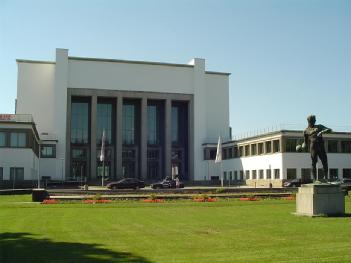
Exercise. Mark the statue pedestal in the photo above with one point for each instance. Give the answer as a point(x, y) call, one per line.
point(319, 200)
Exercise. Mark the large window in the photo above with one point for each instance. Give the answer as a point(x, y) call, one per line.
point(253, 149)
point(241, 151)
point(290, 173)
point(1, 174)
point(260, 148)
point(153, 123)
point(276, 173)
point(2, 139)
point(269, 174)
point(290, 145)
point(128, 124)
point(333, 173)
point(346, 146)
point(346, 173)
point(174, 125)
point(254, 174)
point(80, 123)
point(276, 146)
point(16, 173)
point(247, 150)
point(104, 122)
point(268, 147)
point(332, 146)
point(260, 174)
point(305, 174)
point(18, 139)
point(247, 174)
point(241, 175)
point(48, 151)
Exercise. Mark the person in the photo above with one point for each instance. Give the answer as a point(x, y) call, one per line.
point(313, 137)
point(177, 182)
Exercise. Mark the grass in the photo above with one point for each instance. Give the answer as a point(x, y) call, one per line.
point(178, 231)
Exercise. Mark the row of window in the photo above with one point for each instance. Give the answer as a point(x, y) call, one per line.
point(332, 146)
point(291, 173)
point(13, 139)
point(80, 121)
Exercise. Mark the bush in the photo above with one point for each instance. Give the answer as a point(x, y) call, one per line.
point(97, 197)
point(220, 190)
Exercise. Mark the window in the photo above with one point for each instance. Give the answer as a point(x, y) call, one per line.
point(260, 148)
point(247, 150)
point(260, 174)
point(290, 145)
point(1, 174)
point(80, 123)
point(269, 174)
point(247, 173)
point(235, 175)
point(104, 122)
point(128, 124)
point(2, 139)
point(18, 139)
point(346, 173)
point(48, 151)
point(225, 176)
point(153, 123)
point(276, 173)
point(346, 146)
point(79, 153)
point(224, 153)
point(230, 175)
point(268, 147)
point(235, 152)
point(332, 146)
point(16, 173)
point(241, 151)
point(253, 149)
point(290, 174)
point(241, 175)
point(214, 178)
point(230, 152)
point(333, 173)
point(213, 154)
point(254, 174)
point(276, 146)
point(305, 174)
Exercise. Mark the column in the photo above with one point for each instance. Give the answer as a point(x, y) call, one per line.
point(168, 138)
point(93, 128)
point(143, 139)
point(119, 137)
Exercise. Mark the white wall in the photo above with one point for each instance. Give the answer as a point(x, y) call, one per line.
point(131, 77)
point(217, 100)
point(35, 93)
point(19, 157)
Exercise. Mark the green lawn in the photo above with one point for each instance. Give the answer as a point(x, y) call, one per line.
point(180, 231)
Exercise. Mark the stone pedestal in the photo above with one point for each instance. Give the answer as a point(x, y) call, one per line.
point(319, 200)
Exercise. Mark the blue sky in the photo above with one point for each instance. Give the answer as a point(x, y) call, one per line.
point(288, 59)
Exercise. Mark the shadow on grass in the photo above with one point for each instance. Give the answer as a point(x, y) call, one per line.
point(24, 247)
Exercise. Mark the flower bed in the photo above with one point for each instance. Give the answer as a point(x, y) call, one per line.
point(248, 199)
point(291, 198)
point(101, 201)
point(209, 199)
point(50, 202)
point(152, 200)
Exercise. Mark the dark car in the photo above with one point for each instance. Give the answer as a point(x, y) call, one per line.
point(167, 183)
point(296, 182)
point(344, 183)
point(126, 183)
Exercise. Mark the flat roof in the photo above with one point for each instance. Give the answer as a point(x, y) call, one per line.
point(122, 61)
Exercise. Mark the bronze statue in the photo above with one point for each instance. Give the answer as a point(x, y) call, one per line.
point(313, 138)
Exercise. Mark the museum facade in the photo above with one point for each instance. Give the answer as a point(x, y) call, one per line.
point(155, 116)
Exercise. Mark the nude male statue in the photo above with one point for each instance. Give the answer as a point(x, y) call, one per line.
point(313, 138)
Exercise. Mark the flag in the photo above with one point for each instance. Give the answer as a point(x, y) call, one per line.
point(102, 153)
point(219, 151)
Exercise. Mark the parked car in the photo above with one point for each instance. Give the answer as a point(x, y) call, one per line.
point(296, 182)
point(126, 183)
point(344, 183)
point(167, 183)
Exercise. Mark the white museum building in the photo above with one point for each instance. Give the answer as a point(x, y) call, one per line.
point(158, 119)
